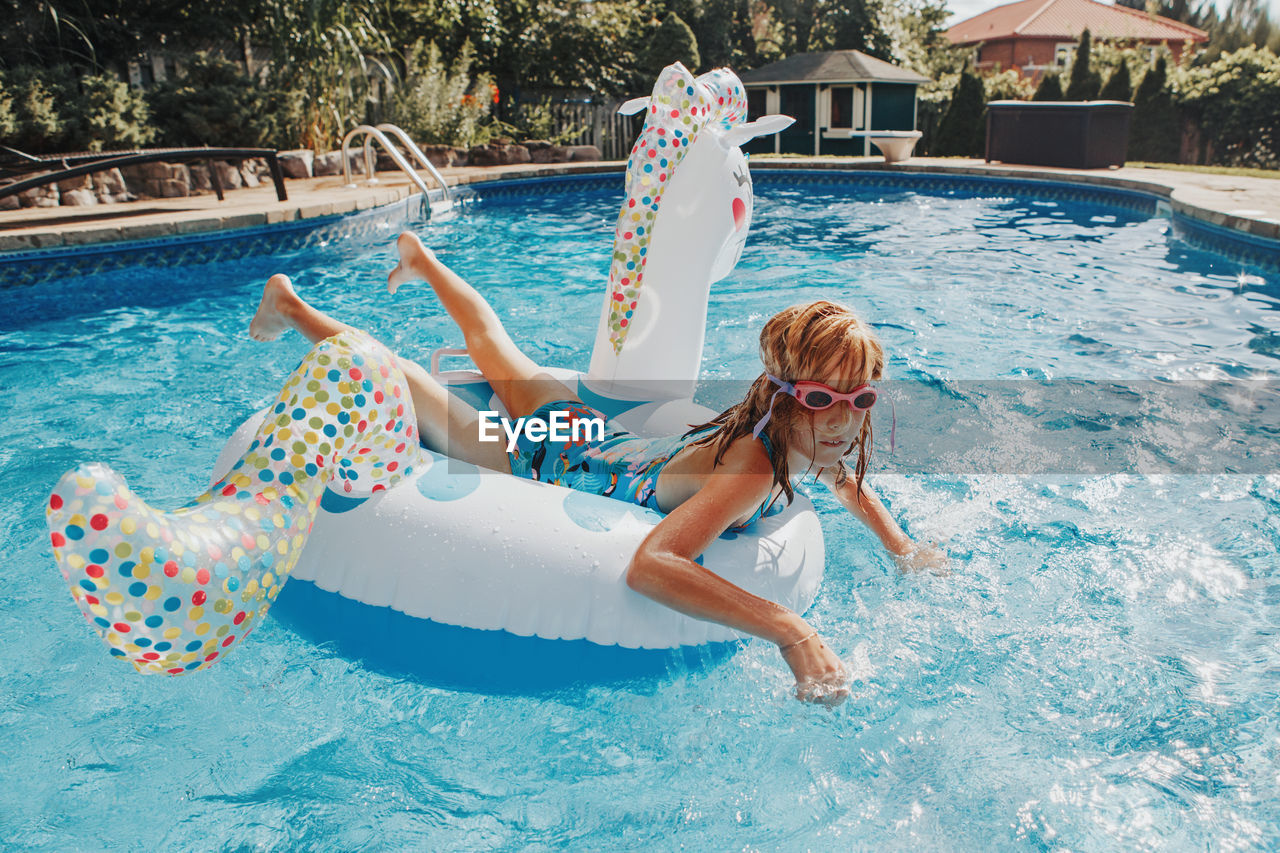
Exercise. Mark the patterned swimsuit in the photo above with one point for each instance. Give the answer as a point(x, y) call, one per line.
point(623, 465)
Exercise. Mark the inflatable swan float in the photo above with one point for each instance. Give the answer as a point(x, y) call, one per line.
point(331, 485)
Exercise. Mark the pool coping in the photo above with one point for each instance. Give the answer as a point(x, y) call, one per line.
point(1188, 194)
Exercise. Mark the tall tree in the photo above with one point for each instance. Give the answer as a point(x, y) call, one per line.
point(1155, 132)
point(962, 131)
point(853, 25)
point(1084, 83)
point(724, 33)
point(1050, 88)
point(1118, 86)
point(671, 41)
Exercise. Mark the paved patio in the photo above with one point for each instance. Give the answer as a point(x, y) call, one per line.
point(1250, 205)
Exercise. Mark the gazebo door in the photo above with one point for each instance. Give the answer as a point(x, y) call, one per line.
point(797, 102)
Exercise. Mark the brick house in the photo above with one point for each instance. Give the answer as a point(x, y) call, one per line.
point(1034, 36)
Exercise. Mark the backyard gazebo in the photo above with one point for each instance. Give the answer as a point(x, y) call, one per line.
point(839, 99)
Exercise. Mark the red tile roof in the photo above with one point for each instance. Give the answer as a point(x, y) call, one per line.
point(1066, 19)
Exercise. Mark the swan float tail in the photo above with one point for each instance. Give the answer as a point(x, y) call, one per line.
point(172, 592)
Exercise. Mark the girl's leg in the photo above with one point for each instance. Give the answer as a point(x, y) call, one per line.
point(520, 384)
point(446, 423)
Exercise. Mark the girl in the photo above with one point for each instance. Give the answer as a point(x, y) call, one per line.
point(807, 412)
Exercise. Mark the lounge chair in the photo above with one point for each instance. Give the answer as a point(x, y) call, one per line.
point(14, 163)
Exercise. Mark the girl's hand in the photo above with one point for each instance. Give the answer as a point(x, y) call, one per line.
point(820, 676)
point(928, 557)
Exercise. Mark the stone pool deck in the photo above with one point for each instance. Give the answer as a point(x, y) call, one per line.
point(1248, 205)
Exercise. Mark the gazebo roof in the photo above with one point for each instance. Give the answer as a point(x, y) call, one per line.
point(832, 66)
point(1066, 19)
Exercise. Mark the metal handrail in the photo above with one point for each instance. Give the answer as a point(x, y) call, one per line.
point(368, 161)
point(375, 133)
point(417, 152)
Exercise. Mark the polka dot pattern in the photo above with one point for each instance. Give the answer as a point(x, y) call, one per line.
point(173, 592)
point(681, 106)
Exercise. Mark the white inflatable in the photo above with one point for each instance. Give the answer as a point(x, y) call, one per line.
point(464, 546)
point(329, 485)
point(468, 547)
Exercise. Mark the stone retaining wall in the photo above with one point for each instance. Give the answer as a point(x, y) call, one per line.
point(179, 180)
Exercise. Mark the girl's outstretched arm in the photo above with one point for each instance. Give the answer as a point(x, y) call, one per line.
point(665, 570)
point(871, 511)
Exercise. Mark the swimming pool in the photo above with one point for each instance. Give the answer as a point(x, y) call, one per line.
point(1098, 672)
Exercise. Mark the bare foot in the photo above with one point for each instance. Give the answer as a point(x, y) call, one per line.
point(413, 260)
point(272, 317)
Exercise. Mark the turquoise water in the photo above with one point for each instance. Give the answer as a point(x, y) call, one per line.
point(1099, 670)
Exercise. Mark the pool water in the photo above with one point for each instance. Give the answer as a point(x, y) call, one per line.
point(1100, 669)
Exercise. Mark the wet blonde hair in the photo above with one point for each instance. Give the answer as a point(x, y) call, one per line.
point(801, 343)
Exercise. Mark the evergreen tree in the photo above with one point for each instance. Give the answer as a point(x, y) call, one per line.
point(1155, 132)
point(723, 33)
point(963, 131)
point(1119, 87)
point(1085, 83)
point(672, 41)
point(1050, 88)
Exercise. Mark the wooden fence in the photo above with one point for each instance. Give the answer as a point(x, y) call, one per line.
point(597, 124)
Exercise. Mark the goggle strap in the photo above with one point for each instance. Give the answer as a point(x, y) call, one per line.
point(783, 388)
point(893, 430)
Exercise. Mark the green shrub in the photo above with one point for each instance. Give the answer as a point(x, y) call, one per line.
point(1050, 88)
point(672, 41)
point(39, 124)
point(8, 115)
point(537, 120)
point(442, 105)
point(110, 116)
point(1006, 85)
point(1118, 87)
point(1236, 102)
point(963, 130)
point(1155, 133)
point(54, 109)
point(1085, 83)
point(213, 102)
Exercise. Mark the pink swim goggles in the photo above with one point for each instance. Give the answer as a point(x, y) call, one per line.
point(816, 397)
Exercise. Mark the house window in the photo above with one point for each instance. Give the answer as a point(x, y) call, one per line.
point(846, 107)
point(1062, 54)
point(757, 103)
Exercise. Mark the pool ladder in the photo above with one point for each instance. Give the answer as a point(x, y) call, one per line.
point(379, 134)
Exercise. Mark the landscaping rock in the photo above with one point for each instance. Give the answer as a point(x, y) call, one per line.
point(297, 164)
point(461, 157)
point(228, 174)
point(84, 182)
point(158, 180)
point(10, 202)
point(550, 154)
point(111, 187)
point(583, 153)
point(440, 155)
point(173, 187)
point(79, 198)
point(200, 180)
point(248, 177)
point(46, 196)
point(498, 155)
point(77, 192)
point(331, 164)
